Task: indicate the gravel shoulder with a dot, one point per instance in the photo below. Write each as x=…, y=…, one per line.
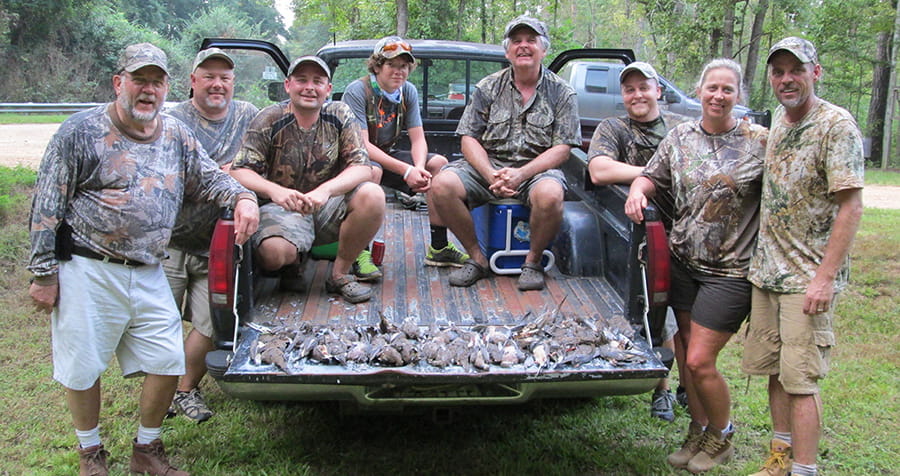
x=24, y=144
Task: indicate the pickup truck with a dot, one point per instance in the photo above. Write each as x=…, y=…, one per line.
x=608, y=272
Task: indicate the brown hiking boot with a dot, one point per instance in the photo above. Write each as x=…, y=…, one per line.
x=689, y=448
x=713, y=451
x=92, y=461
x=151, y=459
x=779, y=462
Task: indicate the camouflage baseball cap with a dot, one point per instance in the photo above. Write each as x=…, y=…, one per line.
x=139, y=55
x=309, y=59
x=211, y=53
x=392, y=47
x=802, y=49
x=641, y=67
x=523, y=20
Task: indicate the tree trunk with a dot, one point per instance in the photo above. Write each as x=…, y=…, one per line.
x=460, y=14
x=881, y=76
x=753, y=47
x=728, y=31
x=402, y=17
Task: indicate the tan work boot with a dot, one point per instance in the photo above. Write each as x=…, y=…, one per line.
x=92, y=461
x=713, y=451
x=689, y=448
x=779, y=462
x=151, y=459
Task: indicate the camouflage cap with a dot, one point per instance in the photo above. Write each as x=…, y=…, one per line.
x=309, y=59
x=523, y=20
x=139, y=55
x=392, y=47
x=641, y=67
x=802, y=49
x=211, y=53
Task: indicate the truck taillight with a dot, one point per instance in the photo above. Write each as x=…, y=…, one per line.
x=221, y=264
x=658, y=263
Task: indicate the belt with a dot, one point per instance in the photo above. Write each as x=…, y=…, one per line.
x=89, y=253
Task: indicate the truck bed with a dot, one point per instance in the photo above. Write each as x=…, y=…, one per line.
x=411, y=289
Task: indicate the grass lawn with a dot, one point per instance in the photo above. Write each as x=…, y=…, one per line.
x=9, y=118
x=608, y=436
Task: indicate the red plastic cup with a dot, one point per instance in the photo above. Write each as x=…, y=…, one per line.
x=377, y=252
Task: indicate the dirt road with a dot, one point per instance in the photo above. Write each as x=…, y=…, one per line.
x=24, y=144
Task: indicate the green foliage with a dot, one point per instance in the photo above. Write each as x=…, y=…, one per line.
x=13, y=183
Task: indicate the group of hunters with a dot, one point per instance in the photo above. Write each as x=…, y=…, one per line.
x=760, y=221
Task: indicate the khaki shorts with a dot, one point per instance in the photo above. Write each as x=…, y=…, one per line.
x=189, y=279
x=107, y=308
x=782, y=340
x=477, y=189
x=304, y=231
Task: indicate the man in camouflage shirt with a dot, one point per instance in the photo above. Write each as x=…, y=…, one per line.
x=620, y=148
x=307, y=158
x=810, y=211
x=519, y=128
x=109, y=188
x=219, y=123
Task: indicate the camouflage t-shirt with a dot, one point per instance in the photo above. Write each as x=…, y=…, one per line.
x=513, y=133
x=386, y=114
x=715, y=180
x=634, y=143
x=806, y=163
x=120, y=195
x=277, y=148
x=222, y=140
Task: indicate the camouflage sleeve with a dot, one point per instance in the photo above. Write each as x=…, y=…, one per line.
x=659, y=168
x=256, y=144
x=353, y=150
x=474, y=118
x=604, y=141
x=56, y=180
x=204, y=180
x=567, y=126
x=844, y=157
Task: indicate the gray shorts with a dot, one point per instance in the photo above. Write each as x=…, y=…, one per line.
x=477, y=188
x=304, y=231
x=188, y=277
x=107, y=308
x=719, y=303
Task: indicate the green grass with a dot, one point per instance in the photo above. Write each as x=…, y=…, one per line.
x=9, y=118
x=880, y=177
x=607, y=436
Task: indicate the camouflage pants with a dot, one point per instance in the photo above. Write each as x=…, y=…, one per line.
x=303, y=231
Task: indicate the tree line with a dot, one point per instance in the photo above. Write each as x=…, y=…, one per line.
x=63, y=50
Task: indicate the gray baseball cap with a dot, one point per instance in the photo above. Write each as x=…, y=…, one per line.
x=211, y=53
x=802, y=49
x=641, y=67
x=310, y=59
x=392, y=47
x=139, y=55
x=538, y=26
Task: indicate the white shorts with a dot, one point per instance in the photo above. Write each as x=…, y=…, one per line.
x=105, y=308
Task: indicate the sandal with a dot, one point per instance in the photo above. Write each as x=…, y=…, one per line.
x=348, y=288
x=468, y=275
x=532, y=277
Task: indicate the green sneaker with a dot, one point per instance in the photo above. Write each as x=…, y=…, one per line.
x=446, y=256
x=364, y=269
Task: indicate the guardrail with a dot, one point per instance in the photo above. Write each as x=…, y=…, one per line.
x=45, y=108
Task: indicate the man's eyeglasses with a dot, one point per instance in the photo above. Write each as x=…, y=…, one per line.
x=397, y=44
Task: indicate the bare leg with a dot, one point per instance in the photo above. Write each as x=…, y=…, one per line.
x=664, y=382
x=276, y=253
x=196, y=346
x=156, y=395
x=711, y=387
x=698, y=414
x=434, y=167
x=546, y=199
x=449, y=197
x=84, y=405
x=364, y=217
